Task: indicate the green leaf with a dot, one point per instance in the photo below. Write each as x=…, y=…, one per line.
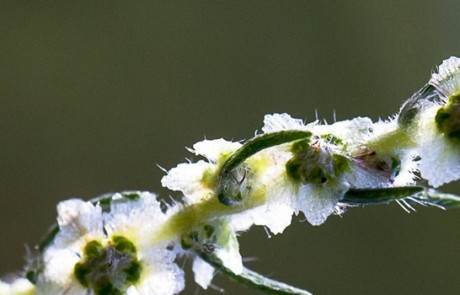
x=369, y=196
x=259, y=143
x=416, y=194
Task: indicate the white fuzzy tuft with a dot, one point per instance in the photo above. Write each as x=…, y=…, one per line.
x=447, y=79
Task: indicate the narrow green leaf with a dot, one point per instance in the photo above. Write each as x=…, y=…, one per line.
x=417, y=194
x=369, y=196
x=259, y=143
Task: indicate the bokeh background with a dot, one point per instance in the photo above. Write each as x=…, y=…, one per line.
x=95, y=94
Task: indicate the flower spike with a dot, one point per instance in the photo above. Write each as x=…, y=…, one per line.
x=129, y=242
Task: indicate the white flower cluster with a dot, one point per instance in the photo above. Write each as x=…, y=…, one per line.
x=130, y=245
x=111, y=252
x=311, y=175
x=435, y=127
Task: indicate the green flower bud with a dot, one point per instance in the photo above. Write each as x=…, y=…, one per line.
x=313, y=163
x=448, y=118
x=111, y=269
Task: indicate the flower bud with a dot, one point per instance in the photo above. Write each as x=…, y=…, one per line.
x=448, y=118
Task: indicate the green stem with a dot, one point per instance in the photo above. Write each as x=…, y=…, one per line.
x=194, y=215
x=392, y=141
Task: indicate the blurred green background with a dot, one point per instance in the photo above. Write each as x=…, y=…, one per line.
x=95, y=94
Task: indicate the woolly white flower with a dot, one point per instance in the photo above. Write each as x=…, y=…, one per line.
x=447, y=79
x=439, y=154
x=79, y=223
x=227, y=248
x=203, y=272
x=436, y=127
x=190, y=179
x=327, y=180
x=275, y=215
x=20, y=286
x=227, y=253
x=215, y=149
x=440, y=161
x=196, y=180
x=320, y=186
x=280, y=122
x=139, y=221
x=216, y=238
x=398, y=152
x=110, y=252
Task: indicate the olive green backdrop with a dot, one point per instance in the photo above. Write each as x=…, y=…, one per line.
x=95, y=94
